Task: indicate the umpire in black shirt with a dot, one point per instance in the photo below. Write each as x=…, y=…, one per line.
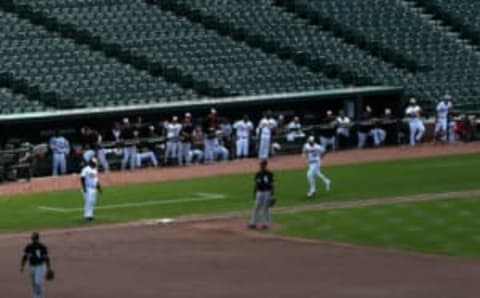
x=264, y=191
x=37, y=256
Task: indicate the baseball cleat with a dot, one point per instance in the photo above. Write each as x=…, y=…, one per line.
x=265, y=227
x=252, y=226
x=311, y=194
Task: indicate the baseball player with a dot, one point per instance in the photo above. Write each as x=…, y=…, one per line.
x=441, y=123
x=314, y=154
x=327, y=131
x=60, y=148
x=90, y=186
x=379, y=132
x=129, y=148
x=264, y=193
x=196, y=152
x=173, y=137
x=265, y=130
x=343, y=128
x=36, y=254
x=365, y=127
x=416, y=127
x=294, y=129
x=186, y=134
x=221, y=152
x=92, y=145
x=243, y=128
x=210, y=128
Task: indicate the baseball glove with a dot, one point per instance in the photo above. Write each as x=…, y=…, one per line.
x=271, y=202
x=50, y=275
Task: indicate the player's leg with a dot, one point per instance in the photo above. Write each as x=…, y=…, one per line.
x=333, y=143
x=37, y=274
x=256, y=210
x=153, y=158
x=413, y=132
x=126, y=157
x=63, y=164
x=238, y=148
x=102, y=159
x=187, y=155
x=139, y=158
x=133, y=157
x=54, y=165
x=266, y=210
x=311, y=180
x=322, y=177
x=421, y=131
x=246, y=147
x=362, y=138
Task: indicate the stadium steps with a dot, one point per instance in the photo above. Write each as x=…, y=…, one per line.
x=326, y=23
x=286, y=53
x=171, y=74
x=450, y=23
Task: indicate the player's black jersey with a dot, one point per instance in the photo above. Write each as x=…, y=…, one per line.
x=37, y=254
x=264, y=181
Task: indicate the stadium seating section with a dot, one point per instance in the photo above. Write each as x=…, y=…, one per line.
x=64, y=54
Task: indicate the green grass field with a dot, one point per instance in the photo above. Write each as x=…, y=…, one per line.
x=233, y=193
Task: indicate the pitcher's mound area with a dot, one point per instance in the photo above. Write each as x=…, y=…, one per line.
x=207, y=260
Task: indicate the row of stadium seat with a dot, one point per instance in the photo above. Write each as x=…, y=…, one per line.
x=17, y=103
x=167, y=39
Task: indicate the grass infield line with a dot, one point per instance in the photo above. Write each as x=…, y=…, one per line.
x=199, y=197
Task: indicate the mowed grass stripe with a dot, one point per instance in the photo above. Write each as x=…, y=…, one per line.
x=350, y=182
x=448, y=226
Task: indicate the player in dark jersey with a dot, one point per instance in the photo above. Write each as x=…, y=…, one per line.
x=36, y=254
x=264, y=192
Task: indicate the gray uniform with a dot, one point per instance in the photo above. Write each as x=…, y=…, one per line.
x=263, y=194
x=60, y=147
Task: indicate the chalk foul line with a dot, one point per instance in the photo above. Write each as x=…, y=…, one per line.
x=197, y=197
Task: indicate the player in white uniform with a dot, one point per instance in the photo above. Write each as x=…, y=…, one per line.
x=173, y=139
x=90, y=186
x=441, y=124
x=243, y=129
x=60, y=148
x=264, y=133
x=417, y=129
x=314, y=152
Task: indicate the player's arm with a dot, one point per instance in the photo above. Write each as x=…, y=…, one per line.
x=84, y=186
x=99, y=188
x=24, y=260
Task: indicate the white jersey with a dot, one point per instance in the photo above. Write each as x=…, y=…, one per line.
x=413, y=112
x=313, y=153
x=243, y=128
x=294, y=126
x=442, y=109
x=266, y=126
x=91, y=176
x=173, y=131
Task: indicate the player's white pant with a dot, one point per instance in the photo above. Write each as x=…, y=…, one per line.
x=328, y=141
x=362, y=138
x=184, y=153
x=314, y=172
x=451, y=131
x=90, y=199
x=441, y=125
x=210, y=149
x=343, y=131
x=264, y=148
x=101, y=157
x=242, y=147
x=196, y=155
x=261, y=203
x=146, y=156
x=129, y=158
x=171, y=150
x=221, y=153
x=417, y=129
x=59, y=164
x=379, y=136
x=37, y=276
x=88, y=155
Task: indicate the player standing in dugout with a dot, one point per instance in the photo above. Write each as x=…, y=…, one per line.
x=37, y=256
x=264, y=196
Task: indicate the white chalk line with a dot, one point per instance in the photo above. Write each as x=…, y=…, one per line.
x=198, y=197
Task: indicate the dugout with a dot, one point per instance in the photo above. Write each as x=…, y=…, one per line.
x=37, y=127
